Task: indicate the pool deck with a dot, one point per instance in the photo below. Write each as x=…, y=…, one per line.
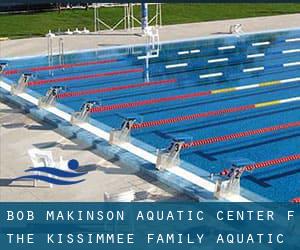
x=106, y=176
x=38, y=45
x=18, y=133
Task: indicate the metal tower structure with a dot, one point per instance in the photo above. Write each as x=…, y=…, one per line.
x=129, y=20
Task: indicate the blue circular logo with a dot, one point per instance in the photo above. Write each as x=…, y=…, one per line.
x=73, y=164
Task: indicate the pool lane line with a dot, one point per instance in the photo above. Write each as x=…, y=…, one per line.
x=212, y=57
x=272, y=162
x=116, y=88
x=161, y=122
x=80, y=77
x=54, y=67
x=265, y=164
x=189, y=55
x=296, y=200
x=187, y=84
x=251, y=42
x=238, y=135
x=188, y=96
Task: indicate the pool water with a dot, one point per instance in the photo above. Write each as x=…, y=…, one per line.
x=193, y=77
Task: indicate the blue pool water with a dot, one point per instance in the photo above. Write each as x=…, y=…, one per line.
x=237, y=61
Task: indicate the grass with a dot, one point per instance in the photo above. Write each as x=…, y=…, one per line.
x=38, y=24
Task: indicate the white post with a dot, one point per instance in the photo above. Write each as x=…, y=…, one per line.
x=144, y=15
x=95, y=17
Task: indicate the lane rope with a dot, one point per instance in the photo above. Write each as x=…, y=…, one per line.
x=65, y=66
x=80, y=77
x=111, y=89
x=296, y=200
x=160, y=122
x=240, y=135
x=272, y=162
x=188, y=96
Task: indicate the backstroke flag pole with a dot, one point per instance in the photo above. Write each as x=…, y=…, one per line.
x=144, y=10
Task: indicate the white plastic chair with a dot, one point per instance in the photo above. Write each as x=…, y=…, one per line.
x=41, y=158
x=127, y=196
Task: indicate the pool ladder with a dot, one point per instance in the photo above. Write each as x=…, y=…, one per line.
x=61, y=53
x=153, y=47
x=50, y=53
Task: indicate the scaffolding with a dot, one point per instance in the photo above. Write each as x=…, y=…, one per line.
x=129, y=20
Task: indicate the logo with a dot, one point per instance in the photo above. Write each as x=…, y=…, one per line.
x=55, y=175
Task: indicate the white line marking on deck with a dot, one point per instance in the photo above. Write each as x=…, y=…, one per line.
x=59, y=113
x=5, y=86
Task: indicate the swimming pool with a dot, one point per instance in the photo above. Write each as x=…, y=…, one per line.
x=233, y=98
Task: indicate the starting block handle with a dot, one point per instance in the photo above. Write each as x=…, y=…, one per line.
x=169, y=157
x=84, y=113
x=122, y=135
x=22, y=83
x=50, y=97
x=3, y=65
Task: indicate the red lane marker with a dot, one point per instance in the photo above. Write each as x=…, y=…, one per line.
x=71, y=78
x=148, y=102
x=296, y=200
x=110, y=89
x=191, y=117
x=272, y=162
x=265, y=164
x=65, y=66
x=240, y=134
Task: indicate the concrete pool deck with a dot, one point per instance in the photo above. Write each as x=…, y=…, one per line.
x=19, y=133
x=108, y=177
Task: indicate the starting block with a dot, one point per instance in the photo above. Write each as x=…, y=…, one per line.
x=230, y=185
x=84, y=113
x=22, y=84
x=50, y=97
x=122, y=135
x=3, y=65
x=170, y=157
